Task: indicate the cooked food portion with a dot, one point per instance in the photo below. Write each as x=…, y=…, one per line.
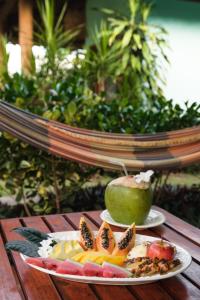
x=126, y=242
x=105, y=240
x=145, y=266
x=87, y=239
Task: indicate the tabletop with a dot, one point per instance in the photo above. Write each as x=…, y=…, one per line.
x=19, y=281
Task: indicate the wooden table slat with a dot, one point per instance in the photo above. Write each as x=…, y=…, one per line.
x=184, y=228
x=180, y=288
x=9, y=287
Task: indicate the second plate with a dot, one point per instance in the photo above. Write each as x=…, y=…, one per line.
x=155, y=218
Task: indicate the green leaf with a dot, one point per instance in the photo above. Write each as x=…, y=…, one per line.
x=117, y=30
x=23, y=247
x=135, y=63
x=133, y=5
x=137, y=40
x=24, y=164
x=125, y=59
x=31, y=234
x=127, y=37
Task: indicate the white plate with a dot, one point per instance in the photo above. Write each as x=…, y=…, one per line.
x=182, y=254
x=155, y=218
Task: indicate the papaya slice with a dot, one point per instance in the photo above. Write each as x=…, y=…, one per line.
x=126, y=242
x=105, y=240
x=87, y=240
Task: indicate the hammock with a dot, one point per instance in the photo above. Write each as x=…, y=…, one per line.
x=163, y=150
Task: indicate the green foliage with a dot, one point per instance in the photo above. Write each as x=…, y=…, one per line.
x=4, y=56
x=31, y=234
x=105, y=91
x=52, y=35
x=24, y=247
x=139, y=74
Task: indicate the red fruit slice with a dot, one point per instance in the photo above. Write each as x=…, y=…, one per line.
x=51, y=264
x=92, y=269
x=113, y=271
x=47, y=263
x=36, y=261
x=70, y=267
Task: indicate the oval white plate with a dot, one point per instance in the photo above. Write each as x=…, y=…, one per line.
x=155, y=218
x=182, y=254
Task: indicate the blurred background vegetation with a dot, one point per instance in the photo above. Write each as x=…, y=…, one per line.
x=114, y=83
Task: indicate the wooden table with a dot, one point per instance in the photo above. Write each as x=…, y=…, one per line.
x=19, y=281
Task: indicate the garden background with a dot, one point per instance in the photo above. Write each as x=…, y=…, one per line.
x=115, y=82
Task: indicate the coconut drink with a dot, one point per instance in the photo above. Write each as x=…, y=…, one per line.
x=128, y=199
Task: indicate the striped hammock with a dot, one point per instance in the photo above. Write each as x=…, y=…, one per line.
x=164, y=150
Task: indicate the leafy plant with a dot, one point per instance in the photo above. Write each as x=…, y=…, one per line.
x=142, y=45
x=51, y=34
x=4, y=56
x=101, y=59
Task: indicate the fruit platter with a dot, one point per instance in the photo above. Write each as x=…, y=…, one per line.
x=101, y=257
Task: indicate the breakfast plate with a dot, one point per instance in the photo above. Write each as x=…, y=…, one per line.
x=181, y=254
x=155, y=218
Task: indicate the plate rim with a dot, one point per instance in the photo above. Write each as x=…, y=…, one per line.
x=117, y=281
x=139, y=227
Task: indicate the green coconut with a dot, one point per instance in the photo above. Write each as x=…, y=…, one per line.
x=128, y=201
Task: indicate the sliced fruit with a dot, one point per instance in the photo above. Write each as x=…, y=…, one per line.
x=87, y=239
x=138, y=251
x=66, y=249
x=105, y=240
x=47, y=263
x=113, y=271
x=51, y=264
x=99, y=258
x=36, y=261
x=126, y=242
x=70, y=267
x=92, y=269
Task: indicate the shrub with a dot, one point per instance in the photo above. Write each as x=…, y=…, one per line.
x=79, y=98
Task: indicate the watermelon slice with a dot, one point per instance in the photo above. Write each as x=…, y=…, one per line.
x=36, y=261
x=92, y=269
x=47, y=263
x=113, y=271
x=70, y=267
x=51, y=264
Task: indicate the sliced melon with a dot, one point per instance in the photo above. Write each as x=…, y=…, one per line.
x=70, y=267
x=92, y=269
x=113, y=271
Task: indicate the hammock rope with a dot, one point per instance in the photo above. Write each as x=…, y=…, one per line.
x=163, y=150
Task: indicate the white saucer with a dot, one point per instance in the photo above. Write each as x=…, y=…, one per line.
x=155, y=218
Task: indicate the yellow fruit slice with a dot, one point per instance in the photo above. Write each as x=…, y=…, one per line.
x=98, y=257
x=66, y=249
